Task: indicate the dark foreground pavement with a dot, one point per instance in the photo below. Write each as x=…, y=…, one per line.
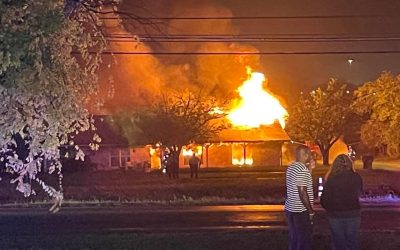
x=188, y=227
x=160, y=219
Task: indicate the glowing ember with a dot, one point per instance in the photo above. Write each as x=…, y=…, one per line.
x=257, y=106
x=241, y=162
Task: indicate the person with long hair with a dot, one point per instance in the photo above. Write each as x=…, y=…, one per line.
x=340, y=198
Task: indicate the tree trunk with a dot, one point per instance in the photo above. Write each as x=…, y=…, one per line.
x=325, y=154
x=176, y=151
x=325, y=158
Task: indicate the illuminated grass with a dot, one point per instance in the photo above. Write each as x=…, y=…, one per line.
x=214, y=186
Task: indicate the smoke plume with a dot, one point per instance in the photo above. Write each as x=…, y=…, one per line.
x=136, y=79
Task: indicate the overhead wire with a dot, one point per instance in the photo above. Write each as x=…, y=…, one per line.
x=127, y=15
x=249, y=53
x=250, y=38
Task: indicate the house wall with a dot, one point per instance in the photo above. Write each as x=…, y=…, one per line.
x=100, y=158
x=263, y=154
x=140, y=155
x=267, y=154
x=219, y=155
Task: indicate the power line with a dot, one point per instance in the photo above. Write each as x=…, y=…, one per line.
x=272, y=35
x=249, y=36
x=248, y=53
x=247, y=39
x=128, y=16
x=250, y=40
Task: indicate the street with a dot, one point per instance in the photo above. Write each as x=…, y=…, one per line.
x=154, y=219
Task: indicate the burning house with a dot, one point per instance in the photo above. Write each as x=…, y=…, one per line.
x=251, y=147
x=257, y=133
x=254, y=139
x=257, y=116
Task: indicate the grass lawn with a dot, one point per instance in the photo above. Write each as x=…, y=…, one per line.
x=216, y=240
x=214, y=186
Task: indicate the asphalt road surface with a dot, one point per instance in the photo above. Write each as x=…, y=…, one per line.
x=29, y=221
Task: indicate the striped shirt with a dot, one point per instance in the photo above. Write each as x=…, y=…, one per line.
x=297, y=174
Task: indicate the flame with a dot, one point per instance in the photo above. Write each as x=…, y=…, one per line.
x=189, y=150
x=257, y=106
x=155, y=154
x=241, y=161
x=242, y=155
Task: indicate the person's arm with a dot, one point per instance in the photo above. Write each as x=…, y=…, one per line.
x=305, y=199
x=306, y=202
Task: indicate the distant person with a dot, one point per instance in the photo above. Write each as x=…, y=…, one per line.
x=175, y=165
x=340, y=198
x=169, y=166
x=194, y=163
x=300, y=197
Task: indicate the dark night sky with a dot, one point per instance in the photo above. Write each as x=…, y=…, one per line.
x=306, y=70
x=293, y=73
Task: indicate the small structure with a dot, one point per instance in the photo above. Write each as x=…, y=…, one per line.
x=246, y=147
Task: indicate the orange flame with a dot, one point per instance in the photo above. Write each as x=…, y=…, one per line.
x=257, y=106
x=242, y=156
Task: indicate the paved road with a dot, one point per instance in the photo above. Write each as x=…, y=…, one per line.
x=173, y=219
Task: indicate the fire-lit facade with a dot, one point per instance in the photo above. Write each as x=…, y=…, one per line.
x=234, y=147
x=255, y=138
x=256, y=135
x=251, y=147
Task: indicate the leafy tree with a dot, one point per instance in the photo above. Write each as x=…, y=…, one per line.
x=379, y=101
x=174, y=120
x=47, y=75
x=322, y=116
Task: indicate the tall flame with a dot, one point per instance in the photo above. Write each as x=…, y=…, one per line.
x=257, y=106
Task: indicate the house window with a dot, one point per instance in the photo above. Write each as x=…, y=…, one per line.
x=120, y=157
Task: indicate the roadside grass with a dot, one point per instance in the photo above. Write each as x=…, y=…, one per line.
x=205, y=240
x=215, y=186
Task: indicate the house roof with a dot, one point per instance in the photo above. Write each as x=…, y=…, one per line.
x=264, y=133
x=109, y=134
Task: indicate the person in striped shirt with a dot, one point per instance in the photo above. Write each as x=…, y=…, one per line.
x=299, y=200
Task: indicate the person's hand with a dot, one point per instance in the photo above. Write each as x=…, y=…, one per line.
x=311, y=216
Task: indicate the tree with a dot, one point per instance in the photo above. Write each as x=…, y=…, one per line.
x=47, y=74
x=322, y=117
x=174, y=120
x=379, y=101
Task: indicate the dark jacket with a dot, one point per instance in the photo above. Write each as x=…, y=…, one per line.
x=341, y=193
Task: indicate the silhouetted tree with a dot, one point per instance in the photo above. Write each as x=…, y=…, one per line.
x=322, y=116
x=379, y=101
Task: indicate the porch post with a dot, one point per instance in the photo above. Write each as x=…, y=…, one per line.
x=244, y=154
